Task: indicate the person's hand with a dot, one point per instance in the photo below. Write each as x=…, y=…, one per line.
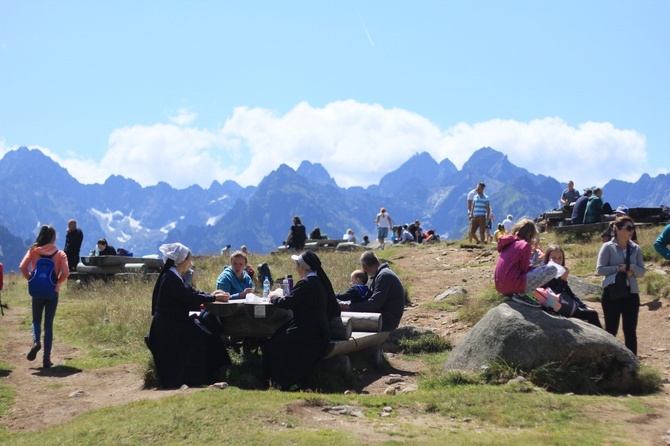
x=221, y=296
x=622, y=267
x=344, y=306
x=244, y=293
x=566, y=273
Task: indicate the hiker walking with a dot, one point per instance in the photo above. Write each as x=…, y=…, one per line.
x=45, y=267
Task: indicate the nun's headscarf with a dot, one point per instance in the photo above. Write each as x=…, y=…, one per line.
x=174, y=251
x=311, y=262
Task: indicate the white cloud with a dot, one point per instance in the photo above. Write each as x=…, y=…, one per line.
x=184, y=117
x=357, y=143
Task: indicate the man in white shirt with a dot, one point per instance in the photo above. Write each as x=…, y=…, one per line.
x=508, y=223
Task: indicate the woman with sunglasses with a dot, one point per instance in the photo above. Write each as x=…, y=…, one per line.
x=611, y=260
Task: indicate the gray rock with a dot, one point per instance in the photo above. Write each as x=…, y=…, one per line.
x=583, y=288
x=392, y=344
x=450, y=292
x=527, y=338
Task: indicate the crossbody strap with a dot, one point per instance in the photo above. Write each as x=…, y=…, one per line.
x=628, y=257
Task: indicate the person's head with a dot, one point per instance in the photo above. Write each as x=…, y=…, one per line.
x=177, y=255
x=102, y=244
x=571, y=185
x=238, y=262
x=623, y=228
x=46, y=235
x=405, y=227
x=509, y=217
x=369, y=262
x=350, y=231
x=244, y=249
x=555, y=253
x=588, y=192
x=598, y=191
x=382, y=210
x=480, y=188
x=525, y=229
x=359, y=277
x=501, y=227
x=72, y=225
x=366, y=238
x=621, y=211
x=296, y=220
x=306, y=263
x=417, y=223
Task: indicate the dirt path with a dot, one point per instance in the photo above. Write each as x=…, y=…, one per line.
x=46, y=398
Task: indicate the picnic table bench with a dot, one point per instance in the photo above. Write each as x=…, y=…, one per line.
x=318, y=244
x=350, y=332
x=106, y=267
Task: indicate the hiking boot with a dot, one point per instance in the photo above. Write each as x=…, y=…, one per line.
x=47, y=364
x=32, y=354
x=526, y=300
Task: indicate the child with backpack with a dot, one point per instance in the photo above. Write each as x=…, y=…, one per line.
x=45, y=267
x=514, y=275
x=567, y=303
x=358, y=291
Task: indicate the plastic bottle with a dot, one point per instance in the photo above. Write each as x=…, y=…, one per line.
x=285, y=287
x=290, y=283
x=266, y=288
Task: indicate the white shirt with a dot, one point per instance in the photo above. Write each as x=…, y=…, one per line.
x=383, y=220
x=508, y=224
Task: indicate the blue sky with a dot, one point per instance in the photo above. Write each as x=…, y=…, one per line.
x=191, y=92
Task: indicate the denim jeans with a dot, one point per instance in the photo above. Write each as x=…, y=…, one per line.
x=48, y=307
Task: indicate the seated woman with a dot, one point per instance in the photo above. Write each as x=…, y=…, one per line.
x=430, y=237
x=234, y=279
x=570, y=304
x=290, y=355
x=186, y=350
x=104, y=249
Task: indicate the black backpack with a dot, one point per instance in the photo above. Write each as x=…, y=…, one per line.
x=263, y=272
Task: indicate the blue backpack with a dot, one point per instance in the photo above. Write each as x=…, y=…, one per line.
x=43, y=279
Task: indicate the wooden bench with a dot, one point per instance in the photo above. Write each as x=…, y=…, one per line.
x=366, y=335
x=317, y=244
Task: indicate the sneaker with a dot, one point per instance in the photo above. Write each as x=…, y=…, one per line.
x=526, y=300
x=47, y=364
x=32, y=354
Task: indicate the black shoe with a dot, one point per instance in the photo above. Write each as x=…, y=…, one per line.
x=32, y=354
x=47, y=364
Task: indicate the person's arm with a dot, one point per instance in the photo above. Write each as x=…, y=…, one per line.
x=288, y=237
x=377, y=300
x=603, y=267
x=24, y=266
x=637, y=262
x=301, y=292
x=351, y=293
x=662, y=242
x=64, y=268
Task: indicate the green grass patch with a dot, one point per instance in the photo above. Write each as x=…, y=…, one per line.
x=476, y=307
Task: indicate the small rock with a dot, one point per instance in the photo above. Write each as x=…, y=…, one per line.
x=385, y=414
x=184, y=387
x=349, y=392
x=77, y=394
x=467, y=420
x=222, y=385
x=390, y=390
x=409, y=388
x=387, y=409
x=394, y=380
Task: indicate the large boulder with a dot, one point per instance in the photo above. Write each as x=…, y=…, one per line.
x=528, y=338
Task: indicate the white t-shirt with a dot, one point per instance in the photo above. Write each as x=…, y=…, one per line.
x=508, y=224
x=384, y=220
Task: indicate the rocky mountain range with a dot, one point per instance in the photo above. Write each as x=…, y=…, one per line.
x=34, y=190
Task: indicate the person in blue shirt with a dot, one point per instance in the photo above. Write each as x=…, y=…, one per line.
x=358, y=291
x=662, y=242
x=234, y=279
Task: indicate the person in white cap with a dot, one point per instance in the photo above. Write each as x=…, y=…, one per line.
x=186, y=350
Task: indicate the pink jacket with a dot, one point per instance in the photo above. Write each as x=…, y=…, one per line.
x=513, y=264
x=34, y=254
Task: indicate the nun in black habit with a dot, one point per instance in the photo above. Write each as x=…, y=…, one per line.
x=186, y=350
x=290, y=355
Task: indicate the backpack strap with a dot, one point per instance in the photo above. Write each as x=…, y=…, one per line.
x=628, y=257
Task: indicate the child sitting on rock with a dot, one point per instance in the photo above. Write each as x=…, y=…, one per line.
x=514, y=275
x=567, y=303
x=359, y=291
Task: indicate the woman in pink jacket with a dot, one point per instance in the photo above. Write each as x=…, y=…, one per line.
x=514, y=275
x=44, y=247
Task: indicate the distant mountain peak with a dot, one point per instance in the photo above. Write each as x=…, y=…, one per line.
x=315, y=172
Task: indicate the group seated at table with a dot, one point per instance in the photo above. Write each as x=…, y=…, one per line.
x=234, y=279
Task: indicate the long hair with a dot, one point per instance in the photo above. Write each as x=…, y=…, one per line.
x=525, y=229
x=551, y=248
x=46, y=235
x=622, y=222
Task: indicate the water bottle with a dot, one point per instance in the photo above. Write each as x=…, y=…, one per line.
x=266, y=288
x=284, y=287
x=290, y=283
